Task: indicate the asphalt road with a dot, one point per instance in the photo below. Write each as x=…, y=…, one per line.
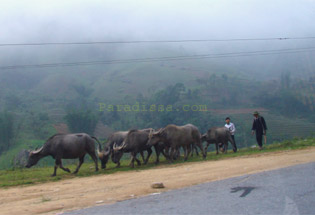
x=285, y=191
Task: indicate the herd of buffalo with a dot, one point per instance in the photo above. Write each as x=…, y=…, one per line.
x=167, y=140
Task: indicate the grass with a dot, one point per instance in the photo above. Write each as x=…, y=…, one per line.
x=9, y=178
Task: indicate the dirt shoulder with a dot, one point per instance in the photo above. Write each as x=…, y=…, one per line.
x=55, y=197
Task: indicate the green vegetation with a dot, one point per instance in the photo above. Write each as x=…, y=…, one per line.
x=32, y=106
x=81, y=121
x=6, y=130
x=42, y=174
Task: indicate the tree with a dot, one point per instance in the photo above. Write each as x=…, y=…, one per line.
x=39, y=124
x=6, y=130
x=81, y=121
x=170, y=95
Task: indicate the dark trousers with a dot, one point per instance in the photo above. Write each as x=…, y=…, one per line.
x=234, y=141
x=259, y=137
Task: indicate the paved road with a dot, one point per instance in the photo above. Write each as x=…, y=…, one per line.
x=285, y=191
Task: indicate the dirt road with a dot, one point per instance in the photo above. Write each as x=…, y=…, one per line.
x=55, y=197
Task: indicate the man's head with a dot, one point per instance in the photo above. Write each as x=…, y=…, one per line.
x=227, y=120
x=256, y=114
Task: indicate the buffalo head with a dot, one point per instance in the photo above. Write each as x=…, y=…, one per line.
x=33, y=158
x=155, y=137
x=203, y=137
x=118, y=152
x=103, y=156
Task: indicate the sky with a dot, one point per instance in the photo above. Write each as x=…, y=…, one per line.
x=34, y=21
x=76, y=20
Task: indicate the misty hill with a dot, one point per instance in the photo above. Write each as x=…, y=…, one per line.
x=59, y=61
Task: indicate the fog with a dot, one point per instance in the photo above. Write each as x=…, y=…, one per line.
x=59, y=21
x=48, y=89
x=85, y=21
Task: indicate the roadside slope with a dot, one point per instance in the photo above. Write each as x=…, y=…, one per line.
x=77, y=193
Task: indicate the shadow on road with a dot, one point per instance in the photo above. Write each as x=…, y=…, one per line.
x=246, y=190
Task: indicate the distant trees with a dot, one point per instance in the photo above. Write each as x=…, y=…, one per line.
x=81, y=121
x=38, y=123
x=6, y=130
x=282, y=102
x=170, y=95
x=289, y=98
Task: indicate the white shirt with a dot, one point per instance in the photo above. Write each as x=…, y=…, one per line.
x=231, y=128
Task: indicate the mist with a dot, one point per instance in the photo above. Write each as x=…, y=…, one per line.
x=82, y=21
x=231, y=56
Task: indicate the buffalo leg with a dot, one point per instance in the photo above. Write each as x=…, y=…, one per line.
x=81, y=160
x=185, y=153
x=167, y=153
x=206, y=148
x=199, y=144
x=59, y=163
x=196, y=149
x=173, y=150
x=176, y=153
x=189, y=149
x=192, y=150
x=217, y=148
x=132, y=160
x=225, y=147
x=163, y=153
x=157, y=152
x=222, y=147
x=93, y=156
x=64, y=168
x=55, y=168
x=138, y=161
x=149, y=154
x=142, y=155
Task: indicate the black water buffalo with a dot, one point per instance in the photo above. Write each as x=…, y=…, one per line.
x=174, y=137
x=66, y=146
x=118, y=138
x=218, y=135
x=159, y=148
x=135, y=142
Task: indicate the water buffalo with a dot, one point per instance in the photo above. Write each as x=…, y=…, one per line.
x=218, y=135
x=174, y=137
x=135, y=142
x=65, y=146
x=117, y=137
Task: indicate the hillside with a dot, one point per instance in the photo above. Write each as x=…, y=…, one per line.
x=39, y=99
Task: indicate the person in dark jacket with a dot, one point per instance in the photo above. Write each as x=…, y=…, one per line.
x=259, y=127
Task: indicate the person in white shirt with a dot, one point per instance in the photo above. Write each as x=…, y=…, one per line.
x=229, y=125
